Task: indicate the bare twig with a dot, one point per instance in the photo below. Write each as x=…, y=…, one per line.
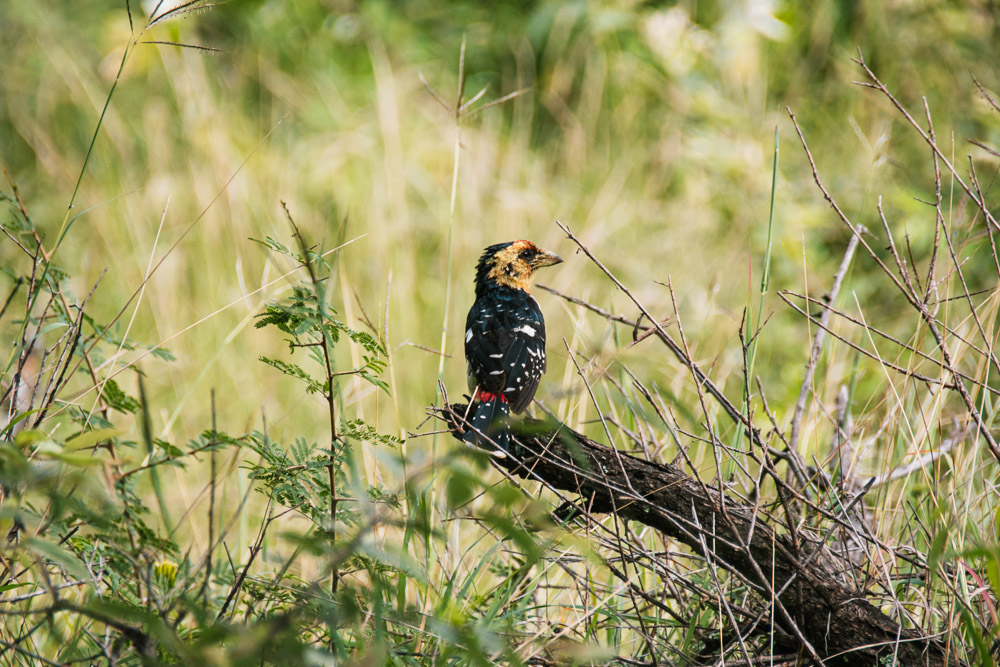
x=916, y=303
x=879, y=86
x=817, y=346
x=701, y=378
x=830, y=615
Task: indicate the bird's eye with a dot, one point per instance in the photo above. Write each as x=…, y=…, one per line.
x=525, y=254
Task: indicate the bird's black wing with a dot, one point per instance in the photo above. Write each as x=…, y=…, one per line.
x=524, y=355
x=484, y=347
x=505, y=348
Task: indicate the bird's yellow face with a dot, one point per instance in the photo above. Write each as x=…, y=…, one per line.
x=514, y=265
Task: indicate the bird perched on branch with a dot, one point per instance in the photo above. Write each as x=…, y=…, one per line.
x=504, y=339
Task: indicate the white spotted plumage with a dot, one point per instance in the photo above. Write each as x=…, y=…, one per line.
x=505, y=334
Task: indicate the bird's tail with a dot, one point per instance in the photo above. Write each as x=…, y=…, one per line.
x=488, y=424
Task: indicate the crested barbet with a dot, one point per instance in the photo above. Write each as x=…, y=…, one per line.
x=504, y=340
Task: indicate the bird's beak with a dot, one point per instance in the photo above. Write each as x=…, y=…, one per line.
x=545, y=258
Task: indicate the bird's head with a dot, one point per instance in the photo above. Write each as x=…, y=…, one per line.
x=512, y=264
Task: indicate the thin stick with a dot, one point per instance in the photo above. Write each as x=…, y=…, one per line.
x=817, y=346
x=892, y=339
x=917, y=304
x=700, y=377
x=254, y=550
x=710, y=561
x=857, y=348
x=457, y=150
x=879, y=86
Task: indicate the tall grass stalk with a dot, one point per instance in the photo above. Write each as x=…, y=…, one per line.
x=752, y=329
x=456, y=160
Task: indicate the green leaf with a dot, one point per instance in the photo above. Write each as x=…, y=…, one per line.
x=118, y=399
x=29, y=437
x=19, y=417
x=79, y=460
x=937, y=549
x=277, y=246
x=91, y=438
x=58, y=555
x=52, y=327
x=294, y=371
x=458, y=491
x=381, y=384
x=358, y=429
x=168, y=449
x=163, y=354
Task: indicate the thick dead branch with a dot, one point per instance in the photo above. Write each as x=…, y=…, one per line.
x=805, y=589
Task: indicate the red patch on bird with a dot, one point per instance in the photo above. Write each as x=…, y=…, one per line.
x=487, y=397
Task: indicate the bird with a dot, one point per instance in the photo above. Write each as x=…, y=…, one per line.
x=504, y=340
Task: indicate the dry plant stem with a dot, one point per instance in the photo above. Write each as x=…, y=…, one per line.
x=716, y=393
x=990, y=236
x=700, y=377
x=841, y=451
x=35, y=594
x=986, y=95
x=917, y=304
x=254, y=550
x=986, y=148
x=922, y=461
x=961, y=275
x=817, y=346
x=13, y=292
x=716, y=445
x=879, y=86
x=904, y=273
x=826, y=609
x=784, y=295
x=892, y=339
x=593, y=398
x=965, y=289
x=938, y=212
x=718, y=587
x=792, y=516
x=784, y=490
x=49, y=396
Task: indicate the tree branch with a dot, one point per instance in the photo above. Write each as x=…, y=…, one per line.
x=814, y=598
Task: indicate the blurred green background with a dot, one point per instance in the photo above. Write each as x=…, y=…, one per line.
x=647, y=128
